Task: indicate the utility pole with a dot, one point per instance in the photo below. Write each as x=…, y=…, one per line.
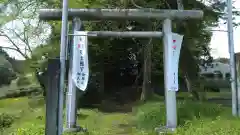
x=64, y=34
x=232, y=60
x=71, y=102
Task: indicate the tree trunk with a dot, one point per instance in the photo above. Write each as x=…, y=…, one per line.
x=101, y=85
x=101, y=80
x=190, y=87
x=187, y=81
x=146, y=85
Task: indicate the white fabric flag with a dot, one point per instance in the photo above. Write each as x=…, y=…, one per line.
x=80, y=71
x=173, y=60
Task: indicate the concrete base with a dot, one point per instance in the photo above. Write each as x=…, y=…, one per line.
x=76, y=129
x=165, y=130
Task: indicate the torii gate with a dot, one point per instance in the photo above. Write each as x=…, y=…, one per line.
x=170, y=59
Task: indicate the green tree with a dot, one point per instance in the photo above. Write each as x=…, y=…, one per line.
x=7, y=73
x=27, y=32
x=108, y=56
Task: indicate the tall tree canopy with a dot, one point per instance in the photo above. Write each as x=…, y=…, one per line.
x=117, y=62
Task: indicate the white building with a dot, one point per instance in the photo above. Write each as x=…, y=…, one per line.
x=216, y=75
x=216, y=70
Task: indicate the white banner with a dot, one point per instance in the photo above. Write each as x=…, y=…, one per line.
x=80, y=71
x=173, y=55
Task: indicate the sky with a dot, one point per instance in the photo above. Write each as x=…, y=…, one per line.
x=42, y=29
x=219, y=41
x=34, y=40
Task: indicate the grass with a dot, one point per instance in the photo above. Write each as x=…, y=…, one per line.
x=193, y=118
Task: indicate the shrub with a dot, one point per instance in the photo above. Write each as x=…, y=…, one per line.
x=33, y=129
x=219, y=126
x=23, y=81
x=152, y=115
x=6, y=120
x=6, y=76
x=193, y=118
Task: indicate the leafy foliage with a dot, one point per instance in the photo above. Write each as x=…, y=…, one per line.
x=111, y=66
x=195, y=118
x=6, y=75
x=212, y=118
x=6, y=71
x=109, y=56
x=23, y=81
x=6, y=120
